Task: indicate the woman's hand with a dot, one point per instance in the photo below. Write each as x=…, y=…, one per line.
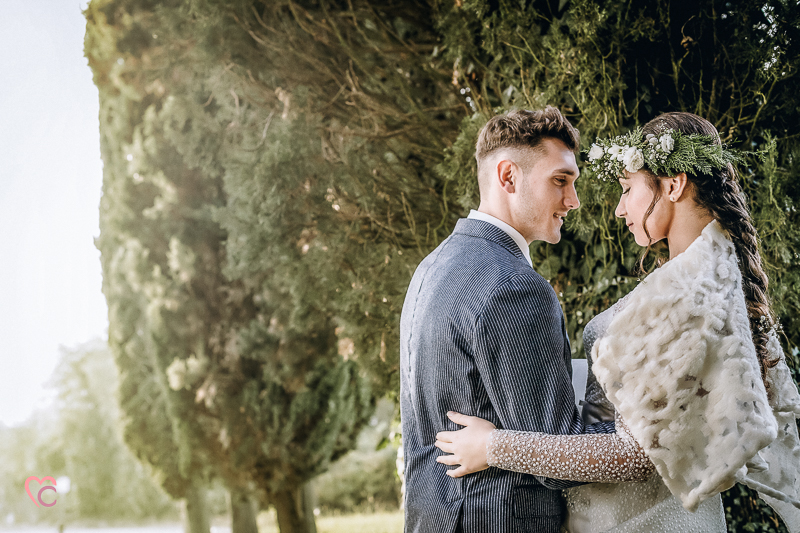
x=467, y=446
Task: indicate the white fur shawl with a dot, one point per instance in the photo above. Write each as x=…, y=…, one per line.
x=679, y=364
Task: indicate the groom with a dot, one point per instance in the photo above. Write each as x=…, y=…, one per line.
x=483, y=334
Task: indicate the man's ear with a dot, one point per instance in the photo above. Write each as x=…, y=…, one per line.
x=506, y=173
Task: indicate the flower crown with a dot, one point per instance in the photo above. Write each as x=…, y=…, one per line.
x=667, y=154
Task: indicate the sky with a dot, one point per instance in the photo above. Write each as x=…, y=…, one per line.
x=50, y=187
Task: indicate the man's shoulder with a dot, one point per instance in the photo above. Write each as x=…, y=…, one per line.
x=525, y=285
x=485, y=279
x=476, y=248
x=466, y=255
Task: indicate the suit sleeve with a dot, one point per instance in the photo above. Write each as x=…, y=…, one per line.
x=521, y=353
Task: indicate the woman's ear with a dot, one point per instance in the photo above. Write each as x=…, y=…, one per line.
x=675, y=187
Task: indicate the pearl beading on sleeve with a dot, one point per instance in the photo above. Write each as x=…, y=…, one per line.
x=596, y=458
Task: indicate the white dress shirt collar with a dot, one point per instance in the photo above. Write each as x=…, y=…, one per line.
x=514, y=234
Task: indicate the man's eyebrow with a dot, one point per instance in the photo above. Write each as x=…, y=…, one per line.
x=567, y=171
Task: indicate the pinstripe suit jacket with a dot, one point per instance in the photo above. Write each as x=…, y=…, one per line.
x=483, y=334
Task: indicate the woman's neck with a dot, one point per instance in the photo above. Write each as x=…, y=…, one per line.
x=684, y=230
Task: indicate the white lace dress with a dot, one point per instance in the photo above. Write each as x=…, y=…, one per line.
x=625, y=494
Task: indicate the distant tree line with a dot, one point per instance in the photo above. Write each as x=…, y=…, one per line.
x=78, y=438
x=275, y=170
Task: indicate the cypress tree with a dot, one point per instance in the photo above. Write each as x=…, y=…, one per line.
x=148, y=217
x=247, y=368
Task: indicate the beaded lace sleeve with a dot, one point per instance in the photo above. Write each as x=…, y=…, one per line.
x=596, y=458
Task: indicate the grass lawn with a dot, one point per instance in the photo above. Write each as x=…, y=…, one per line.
x=362, y=523
x=353, y=523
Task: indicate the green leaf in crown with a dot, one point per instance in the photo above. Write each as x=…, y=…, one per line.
x=667, y=154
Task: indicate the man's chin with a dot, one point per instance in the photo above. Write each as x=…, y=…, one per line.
x=553, y=239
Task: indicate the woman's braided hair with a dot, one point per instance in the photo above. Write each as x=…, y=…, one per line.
x=720, y=195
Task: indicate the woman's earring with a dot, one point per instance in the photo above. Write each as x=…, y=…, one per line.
x=671, y=198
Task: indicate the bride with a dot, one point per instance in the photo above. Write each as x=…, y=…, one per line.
x=689, y=363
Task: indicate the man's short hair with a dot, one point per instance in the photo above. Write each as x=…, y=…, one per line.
x=524, y=129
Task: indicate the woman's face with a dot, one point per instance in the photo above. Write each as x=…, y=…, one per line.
x=633, y=204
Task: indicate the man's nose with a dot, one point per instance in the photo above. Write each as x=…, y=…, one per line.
x=572, y=201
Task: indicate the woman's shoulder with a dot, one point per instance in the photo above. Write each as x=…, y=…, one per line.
x=598, y=325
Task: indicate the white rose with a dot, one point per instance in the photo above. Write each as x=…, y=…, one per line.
x=667, y=142
x=633, y=159
x=596, y=152
x=614, y=150
x=651, y=139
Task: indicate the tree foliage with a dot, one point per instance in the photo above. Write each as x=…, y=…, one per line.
x=342, y=100
x=228, y=373
x=150, y=216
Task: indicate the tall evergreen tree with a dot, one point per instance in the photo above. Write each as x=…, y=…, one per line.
x=150, y=203
x=246, y=370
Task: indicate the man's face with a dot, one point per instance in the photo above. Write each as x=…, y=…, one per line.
x=546, y=192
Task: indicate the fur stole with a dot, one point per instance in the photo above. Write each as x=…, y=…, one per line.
x=679, y=364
